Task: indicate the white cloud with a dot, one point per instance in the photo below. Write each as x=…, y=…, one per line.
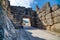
x=24, y=3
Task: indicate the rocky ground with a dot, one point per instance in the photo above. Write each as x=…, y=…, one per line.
x=34, y=34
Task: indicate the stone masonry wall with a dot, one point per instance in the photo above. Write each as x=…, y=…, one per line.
x=50, y=17
x=56, y=21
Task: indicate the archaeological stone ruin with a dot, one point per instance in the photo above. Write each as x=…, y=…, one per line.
x=50, y=17
x=11, y=17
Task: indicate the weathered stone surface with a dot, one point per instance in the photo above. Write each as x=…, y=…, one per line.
x=49, y=28
x=44, y=22
x=40, y=15
x=56, y=27
x=43, y=18
x=55, y=7
x=56, y=13
x=48, y=16
x=57, y=19
x=48, y=10
x=49, y=21
x=43, y=13
x=46, y=7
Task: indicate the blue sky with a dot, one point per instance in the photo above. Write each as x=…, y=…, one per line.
x=40, y=3
x=32, y=3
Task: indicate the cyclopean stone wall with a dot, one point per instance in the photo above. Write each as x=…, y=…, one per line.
x=56, y=21
x=50, y=17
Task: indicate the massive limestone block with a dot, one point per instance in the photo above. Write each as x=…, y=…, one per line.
x=48, y=28
x=48, y=16
x=44, y=22
x=40, y=15
x=56, y=27
x=43, y=13
x=47, y=7
x=48, y=10
x=50, y=22
x=43, y=18
x=57, y=19
x=55, y=7
x=49, y=19
x=56, y=13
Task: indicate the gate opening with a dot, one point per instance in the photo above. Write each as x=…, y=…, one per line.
x=26, y=22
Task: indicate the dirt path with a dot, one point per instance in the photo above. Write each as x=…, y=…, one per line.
x=37, y=34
